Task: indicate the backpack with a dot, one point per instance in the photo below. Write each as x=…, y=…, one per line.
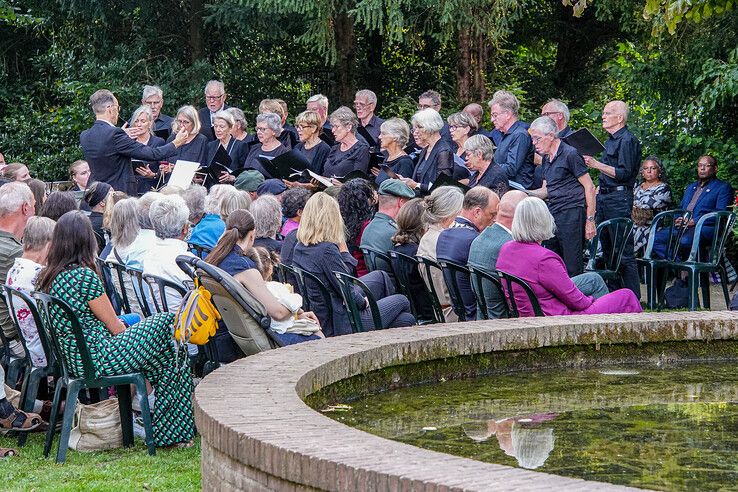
x=197, y=317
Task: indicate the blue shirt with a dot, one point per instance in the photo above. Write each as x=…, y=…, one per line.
x=235, y=262
x=514, y=154
x=454, y=244
x=208, y=230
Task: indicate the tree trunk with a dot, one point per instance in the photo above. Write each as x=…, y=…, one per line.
x=463, y=67
x=480, y=72
x=197, y=45
x=345, y=56
x=373, y=72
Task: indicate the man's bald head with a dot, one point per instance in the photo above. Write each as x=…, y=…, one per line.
x=615, y=116
x=475, y=111
x=508, y=203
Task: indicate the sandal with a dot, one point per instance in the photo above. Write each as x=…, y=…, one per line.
x=181, y=445
x=20, y=421
x=7, y=452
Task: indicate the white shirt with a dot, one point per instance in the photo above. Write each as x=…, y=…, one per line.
x=133, y=256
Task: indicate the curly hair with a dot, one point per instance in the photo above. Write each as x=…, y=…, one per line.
x=356, y=200
x=410, y=225
x=294, y=200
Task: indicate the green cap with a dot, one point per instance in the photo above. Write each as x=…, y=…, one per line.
x=249, y=180
x=397, y=188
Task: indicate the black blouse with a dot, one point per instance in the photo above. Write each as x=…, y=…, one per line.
x=252, y=161
x=439, y=161
x=339, y=163
x=316, y=155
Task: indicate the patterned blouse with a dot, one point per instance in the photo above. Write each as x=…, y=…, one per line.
x=646, y=204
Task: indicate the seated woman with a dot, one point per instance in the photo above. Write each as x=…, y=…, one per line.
x=545, y=271
x=58, y=203
x=96, y=198
x=211, y=225
x=267, y=212
x=393, y=137
x=650, y=197
x=268, y=130
x=79, y=175
x=321, y=249
x=348, y=154
x=229, y=256
x=410, y=228
x=144, y=347
x=223, y=124
x=356, y=200
x=16, y=172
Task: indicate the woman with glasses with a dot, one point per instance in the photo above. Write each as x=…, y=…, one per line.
x=349, y=154
x=223, y=124
x=268, y=129
x=310, y=145
x=147, y=173
x=194, y=147
x=651, y=196
x=393, y=137
x=462, y=126
x=436, y=158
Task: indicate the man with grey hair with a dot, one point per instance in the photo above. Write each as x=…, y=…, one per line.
x=168, y=217
x=17, y=205
x=109, y=150
x=570, y=193
x=477, y=213
x=215, y=97
x=153, y=97
x=365, y=103
x=618, y=169
x=558, y=111
x=514, y=152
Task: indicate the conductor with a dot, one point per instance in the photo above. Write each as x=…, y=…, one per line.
x=109, y=149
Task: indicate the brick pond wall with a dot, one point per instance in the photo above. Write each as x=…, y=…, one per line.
x=259, y=435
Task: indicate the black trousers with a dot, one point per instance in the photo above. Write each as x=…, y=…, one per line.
x=611, y=206
x=568, y=242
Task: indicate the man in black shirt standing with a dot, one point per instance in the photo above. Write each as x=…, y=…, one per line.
x=618, y=171
x=569, y=190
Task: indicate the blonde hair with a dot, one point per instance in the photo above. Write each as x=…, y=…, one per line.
x=113, y=197
x=321, y=221
x=271, y=106
x=190, y=113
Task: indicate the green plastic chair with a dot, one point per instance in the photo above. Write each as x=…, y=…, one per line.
x=74, y=383
x=428, y=266
x=655, y=273
x=451, y=270
x=403, y=266
x=481, y=280
x=618, y=230
x=158, y=287
x=199, y=250
x=303, y=276
x=703, y=260
x=141, y=291
x=510, y=281
x=32, y=375
x=346, y=282
x=12, y=364
x=373, y=256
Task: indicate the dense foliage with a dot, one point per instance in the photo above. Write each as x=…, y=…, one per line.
x=675, y=62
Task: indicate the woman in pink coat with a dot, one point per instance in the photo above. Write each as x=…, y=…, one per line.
x=545, y=271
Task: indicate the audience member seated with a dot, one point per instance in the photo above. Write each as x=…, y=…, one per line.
x=441, y=208
x=707, y=194
x=79, y=175
x=16, y=172
x=249, y=181
x=16, y=207
x=316, y=151
x=38, y=188
x=194, y=198
x=268, y=129
x=233, y=200
x=12, y=418
x=209, y=229
x=393, y=137
x=651, y=197
x=133, y=256
x=436, y=158
x=96, y=198
x=293, y=202
x=410, y=228
x=356, y=200
x=230, y=256
x=348, y=154
x=23, y=274
x=480, y=153
x=321, y=249
x=57, y=204
x=116, y=348
x=267, y=212
x=478, y=212
x=393, y=194
x=545, y=271
x=274, y=187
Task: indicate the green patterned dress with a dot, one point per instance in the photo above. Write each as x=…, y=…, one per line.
x=146, y=347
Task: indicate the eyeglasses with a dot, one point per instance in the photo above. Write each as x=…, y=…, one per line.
x=456, y=127
x=214, y=98
x=262, y=129
x=360, y=105
x=305, y=127
x=537, y=138
x=495, y=115
x=184, y=122
x=549, y=113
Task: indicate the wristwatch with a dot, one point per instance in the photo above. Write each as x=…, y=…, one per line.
x=590, y=218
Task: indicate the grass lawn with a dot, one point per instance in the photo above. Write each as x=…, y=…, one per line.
x=120, y=469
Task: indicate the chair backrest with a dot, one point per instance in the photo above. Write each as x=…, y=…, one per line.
x=675, y=222
x=371, y=256
x=722, y=224
x=107, y=279
x=159, y=288
x=346, y=282
x=303, y=277
x=428, y=266
x=286, y=275
x=48, y=305
x=17, y=298
x=124, y=278
x=510, y=281
x=451, y=270
x=403, y=266
x=245, y=317
x=142, y=292
x=618, y=230
x=199, y=250
x=479, y=278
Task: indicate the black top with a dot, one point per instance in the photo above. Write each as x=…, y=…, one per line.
x=288, y=139
x=493, y=178
x=623, y=152
x=96, y=219
x=252, y=160
x=206, y=126
x=193, y=151
x=236, y=149
x=416, y=289
x=439, y=161
x=402, y=165
x=372, y=127
x=269, y=243
x=339, y=163
x=316, y=155
x=146, y=184
x=562, y=179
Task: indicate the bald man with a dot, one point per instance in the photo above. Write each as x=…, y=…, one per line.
x=618, y=171
x=486, y=247
x=477, y=112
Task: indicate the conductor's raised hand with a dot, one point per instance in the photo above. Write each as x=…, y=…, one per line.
x=181, y=138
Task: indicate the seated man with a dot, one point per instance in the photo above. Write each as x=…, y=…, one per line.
x=478, y=212
x=707, y=194
x=377, y=235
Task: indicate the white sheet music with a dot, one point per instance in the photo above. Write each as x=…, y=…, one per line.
x=183, y=173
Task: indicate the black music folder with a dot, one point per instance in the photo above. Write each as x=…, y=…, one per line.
x=584, y=142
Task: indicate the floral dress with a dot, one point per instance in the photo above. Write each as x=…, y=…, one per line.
x=646, y=204
x=22, y=276
x=146, y=347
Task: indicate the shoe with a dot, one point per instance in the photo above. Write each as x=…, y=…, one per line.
x=138, y=428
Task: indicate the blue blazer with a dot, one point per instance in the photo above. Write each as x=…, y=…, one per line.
x=717, y=196
x=108, y=150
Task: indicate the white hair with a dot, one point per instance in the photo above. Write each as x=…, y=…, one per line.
x=532, y=222
x=320, y=99
x=267, y=212
x=545, y=125
x=169, y=216
x=226, y=116
x=507, y=101
x=12, y=197
x=273, y=121
x=370, y=96
x=194, y=197
x=398, y=129
x=142, y=208
x=429, y=120
x=124, y=223
x=217, y=84
x=215, y=198
x=560, y=106
x=481, y=144
x=151, y=90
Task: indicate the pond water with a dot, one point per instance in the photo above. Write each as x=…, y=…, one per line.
x=672, y=428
